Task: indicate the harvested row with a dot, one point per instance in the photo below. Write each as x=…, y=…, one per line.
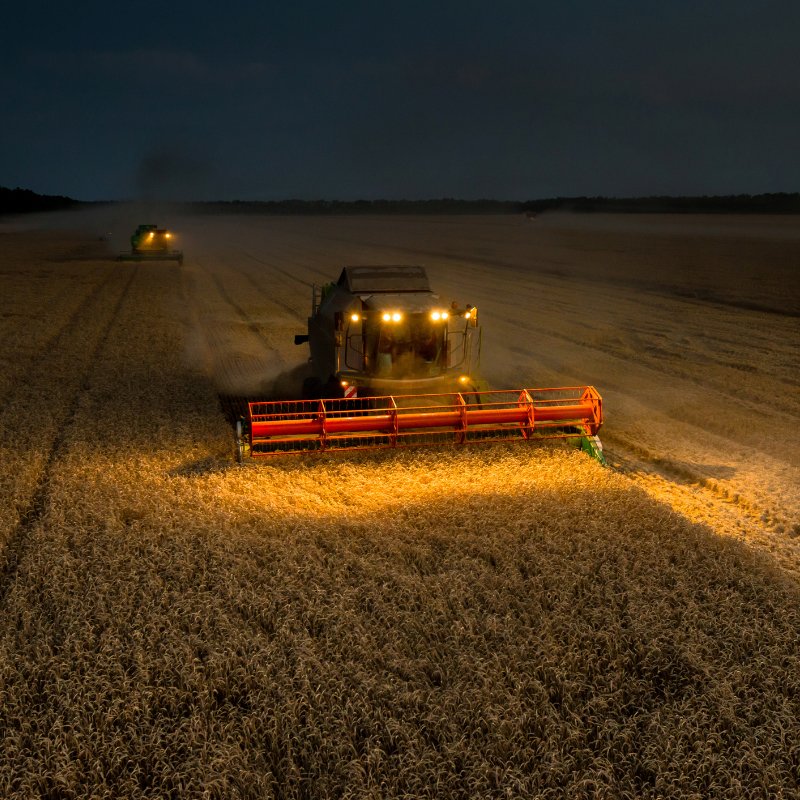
x=30, y=322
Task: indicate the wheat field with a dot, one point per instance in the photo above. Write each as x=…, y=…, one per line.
x=499, y=621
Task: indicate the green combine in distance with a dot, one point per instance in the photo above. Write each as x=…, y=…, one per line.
x=151, y=243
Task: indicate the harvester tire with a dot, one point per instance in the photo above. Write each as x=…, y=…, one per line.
x=312, y=388
x=239, y=441
x=333, y=388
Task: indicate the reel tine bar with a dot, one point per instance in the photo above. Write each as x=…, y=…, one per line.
x=303, y=426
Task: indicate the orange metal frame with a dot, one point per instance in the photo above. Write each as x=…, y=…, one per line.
x=303, y=426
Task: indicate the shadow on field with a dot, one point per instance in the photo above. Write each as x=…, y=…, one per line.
x=205, y=466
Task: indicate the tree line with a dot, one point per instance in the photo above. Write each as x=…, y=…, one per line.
x=779, y=203
x=24, y=201
x=21, y=201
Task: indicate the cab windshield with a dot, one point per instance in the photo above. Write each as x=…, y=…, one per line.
x=414, y=347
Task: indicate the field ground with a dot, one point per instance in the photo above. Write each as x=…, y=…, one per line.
x=500, y=622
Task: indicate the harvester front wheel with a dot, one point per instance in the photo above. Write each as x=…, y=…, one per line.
x=333, y=388
x=240, y=442
x=312, y=388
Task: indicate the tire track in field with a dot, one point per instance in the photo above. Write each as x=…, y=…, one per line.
x=273, y=267
x=291, y=310
x=243, y=315
x=238, y=368
x=240, y=377
x=53, y=341
x=18, y=543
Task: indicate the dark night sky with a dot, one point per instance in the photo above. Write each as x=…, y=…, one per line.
x=506, y=100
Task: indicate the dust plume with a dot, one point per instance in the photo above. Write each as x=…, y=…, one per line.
x=172, y=174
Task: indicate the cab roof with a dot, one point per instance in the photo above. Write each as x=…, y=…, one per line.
x=385, y=278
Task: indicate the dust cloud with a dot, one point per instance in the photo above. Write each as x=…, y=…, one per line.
x=172, y=174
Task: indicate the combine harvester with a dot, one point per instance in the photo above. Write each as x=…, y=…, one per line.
x=393, y=366
x=151, y=243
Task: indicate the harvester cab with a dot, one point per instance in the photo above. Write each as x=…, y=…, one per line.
x=151, y=243
x=394, y=366
x=382, y=331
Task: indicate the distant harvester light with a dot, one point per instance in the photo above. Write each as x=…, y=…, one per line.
x=397, y=316
x=355, y=317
